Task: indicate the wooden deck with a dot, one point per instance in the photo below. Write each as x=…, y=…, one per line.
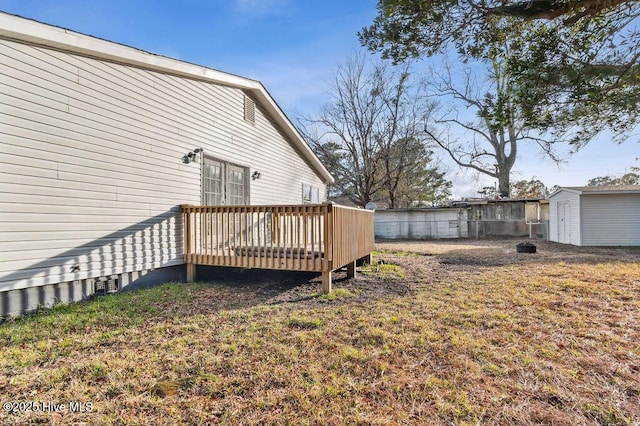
x=317, y=238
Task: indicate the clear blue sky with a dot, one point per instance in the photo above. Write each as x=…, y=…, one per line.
x=293, y=47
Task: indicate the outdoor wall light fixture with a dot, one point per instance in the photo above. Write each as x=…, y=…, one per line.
x=191, y=156
x=255, y=175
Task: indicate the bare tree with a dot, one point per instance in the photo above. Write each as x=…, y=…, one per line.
x=488, y=142
x=359, y=135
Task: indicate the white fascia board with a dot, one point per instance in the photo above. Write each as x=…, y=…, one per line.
x=556, y=192
x=22, y=29
x=267, y=101
x=612, y=192
x=27, y=30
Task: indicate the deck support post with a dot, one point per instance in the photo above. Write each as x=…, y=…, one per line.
x=351, y=269
x=367, y=259
x=326, y=282
x=191, y=272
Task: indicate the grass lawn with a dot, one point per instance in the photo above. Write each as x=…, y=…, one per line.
x=440, y=334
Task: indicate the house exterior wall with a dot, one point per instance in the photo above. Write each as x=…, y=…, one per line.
x=421, y=223
x=91, y=176
x=611, y=220
x=572, y=199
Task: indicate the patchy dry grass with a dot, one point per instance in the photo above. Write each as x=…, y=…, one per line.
x=479, y=337
x=379, y=268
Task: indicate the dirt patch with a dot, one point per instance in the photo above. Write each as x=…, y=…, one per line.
x=255, y=286
x=503, y=252
x=442, y=258
x=506, y=247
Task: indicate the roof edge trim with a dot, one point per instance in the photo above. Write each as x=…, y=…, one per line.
x=30, y=31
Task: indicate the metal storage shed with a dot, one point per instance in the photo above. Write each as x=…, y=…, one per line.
x=595, y=215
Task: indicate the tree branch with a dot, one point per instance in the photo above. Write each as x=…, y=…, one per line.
x=552, y=9
x=457, y=160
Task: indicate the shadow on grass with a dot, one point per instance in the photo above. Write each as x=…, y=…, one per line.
x=247, y=287
x=218, y=290
x=221, y=289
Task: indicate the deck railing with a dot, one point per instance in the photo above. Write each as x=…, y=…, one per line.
x=318, y=237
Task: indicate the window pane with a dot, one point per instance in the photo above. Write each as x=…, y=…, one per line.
x=306, y=193
x=213, y=183
x=235, y=187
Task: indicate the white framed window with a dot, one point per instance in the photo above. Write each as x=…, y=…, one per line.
x=310, y=194
x=213, y=183
x=224, y=183
x=237, y=183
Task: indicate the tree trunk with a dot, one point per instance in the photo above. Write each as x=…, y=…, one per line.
x=503, y=182
x=392, y=202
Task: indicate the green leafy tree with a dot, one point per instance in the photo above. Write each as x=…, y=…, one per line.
x=409, y=176
x=529, y=189
x=576, y=62
x=333, y=157
x=626, y=179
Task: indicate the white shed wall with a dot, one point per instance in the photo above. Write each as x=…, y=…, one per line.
x=611, y=220
x=574, y=228
x=420, y=224
x=90, y=163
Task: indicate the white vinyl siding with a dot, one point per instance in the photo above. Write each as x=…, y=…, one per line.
x=90, y=163
x=611, y=220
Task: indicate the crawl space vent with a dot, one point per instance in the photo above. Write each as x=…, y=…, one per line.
x=105, y=285
x=249, y=110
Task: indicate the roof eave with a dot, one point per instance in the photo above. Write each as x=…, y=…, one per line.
x=594, y=191
x=283, y=121
x=610, y=192
x=557, y=191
